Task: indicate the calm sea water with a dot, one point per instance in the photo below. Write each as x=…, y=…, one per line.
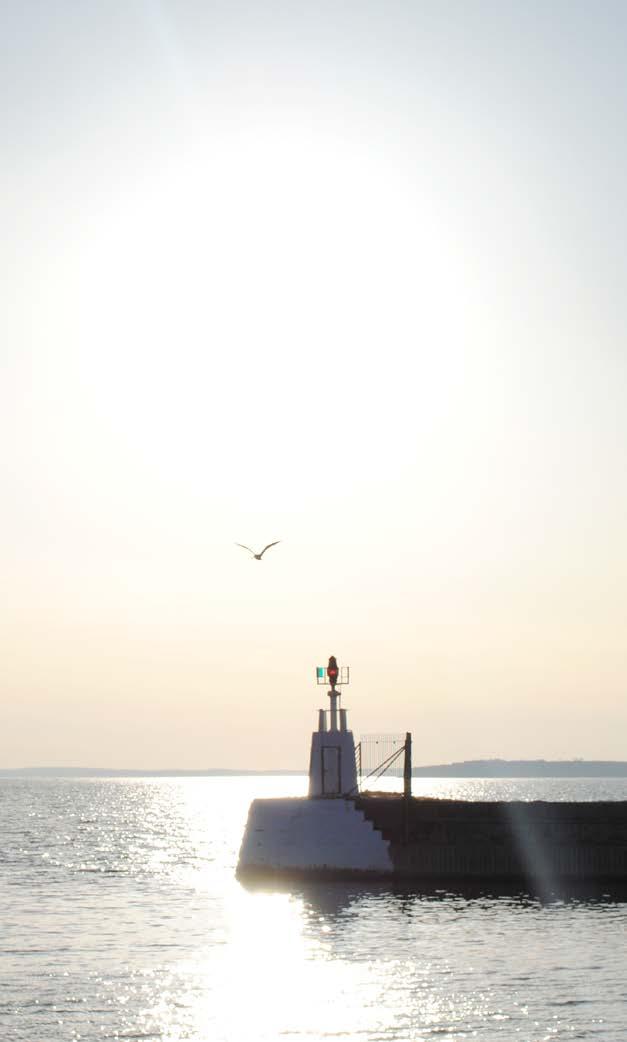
x=121, y=919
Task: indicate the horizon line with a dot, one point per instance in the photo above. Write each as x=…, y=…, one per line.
x=501, y=764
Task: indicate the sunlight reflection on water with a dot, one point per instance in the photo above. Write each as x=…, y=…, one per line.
x=122, y=918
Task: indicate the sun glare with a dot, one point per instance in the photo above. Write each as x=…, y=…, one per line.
x=237, y=296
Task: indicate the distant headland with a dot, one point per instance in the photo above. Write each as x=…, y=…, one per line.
x=525, y=769
x=493, y=768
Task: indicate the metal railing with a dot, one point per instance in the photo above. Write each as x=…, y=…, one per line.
x=378, y=755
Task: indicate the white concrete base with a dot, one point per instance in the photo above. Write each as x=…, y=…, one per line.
x=306, y=835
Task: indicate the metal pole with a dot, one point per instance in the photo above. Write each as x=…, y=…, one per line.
x=407, y=766
x=333, y=695
x=407, y=786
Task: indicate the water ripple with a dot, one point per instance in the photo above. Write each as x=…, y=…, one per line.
x=121, y=919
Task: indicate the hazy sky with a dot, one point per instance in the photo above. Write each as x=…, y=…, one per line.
x=346, y=274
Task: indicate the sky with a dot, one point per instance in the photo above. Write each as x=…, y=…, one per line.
x=346, y=275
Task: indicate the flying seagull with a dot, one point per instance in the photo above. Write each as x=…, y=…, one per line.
x=258, y=556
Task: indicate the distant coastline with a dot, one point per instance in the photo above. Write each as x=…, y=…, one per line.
x=525, y=769
x=463, y=769
x=114, y=772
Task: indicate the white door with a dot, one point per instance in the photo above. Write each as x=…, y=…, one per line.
x=331, y=775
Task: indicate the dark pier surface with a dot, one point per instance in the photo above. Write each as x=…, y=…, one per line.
x=541, y=844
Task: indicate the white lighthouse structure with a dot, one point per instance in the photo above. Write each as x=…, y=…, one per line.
x=332, y=767
x=324, y=833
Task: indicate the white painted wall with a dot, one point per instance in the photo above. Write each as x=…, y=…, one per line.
x=322, y=780
x=285, y=834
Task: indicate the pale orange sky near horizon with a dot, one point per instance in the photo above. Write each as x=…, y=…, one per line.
x=348, y=276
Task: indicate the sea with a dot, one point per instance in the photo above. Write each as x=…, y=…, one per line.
x=121, y=918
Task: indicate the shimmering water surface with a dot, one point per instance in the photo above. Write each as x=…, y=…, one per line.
x=121, y=918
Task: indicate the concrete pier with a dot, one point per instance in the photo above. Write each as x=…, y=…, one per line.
x=540, y=843
x=430, y=841
x=339, y=833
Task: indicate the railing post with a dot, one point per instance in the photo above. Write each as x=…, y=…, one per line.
x=407, y=766
x=406, y=786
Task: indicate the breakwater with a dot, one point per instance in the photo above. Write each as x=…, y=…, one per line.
x=536, y=842
x=539, y=844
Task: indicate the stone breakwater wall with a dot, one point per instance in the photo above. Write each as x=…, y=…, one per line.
x=309, y=838
x=433, y=841
x=540, y=843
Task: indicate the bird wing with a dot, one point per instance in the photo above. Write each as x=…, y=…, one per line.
x=268, y=547
x=246, y=548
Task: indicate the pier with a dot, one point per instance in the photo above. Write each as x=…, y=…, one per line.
x=340, y=832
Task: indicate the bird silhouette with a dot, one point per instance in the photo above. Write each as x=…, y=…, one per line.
x=258, y=556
